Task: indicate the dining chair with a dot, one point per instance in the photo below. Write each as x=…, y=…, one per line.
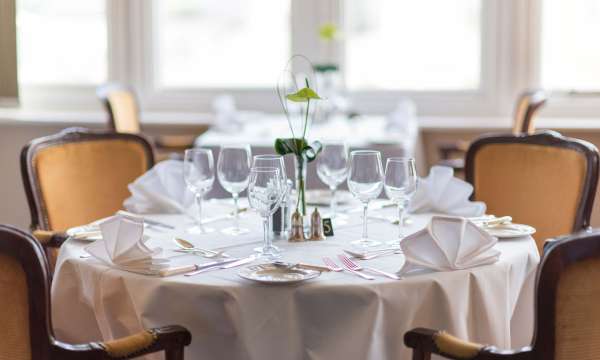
x=121, y=103
x=544, y=180
x=77, y=176
x=567, y=319
x=526, y=110
x=26, y=332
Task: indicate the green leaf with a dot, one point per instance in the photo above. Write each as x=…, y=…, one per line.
x=298, y=147
x=303, y=95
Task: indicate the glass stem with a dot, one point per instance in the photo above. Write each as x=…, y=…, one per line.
x=365, y=207
x=400, y=220
x=198, y=198
x=236, y=214
x=333, y=204
x=267, y=238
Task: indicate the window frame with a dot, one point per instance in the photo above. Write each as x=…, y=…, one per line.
x=509, y=63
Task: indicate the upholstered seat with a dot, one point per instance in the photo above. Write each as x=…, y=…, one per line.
x=567, y=314
x=543, y=180
x=26, y=331
x=78, y=176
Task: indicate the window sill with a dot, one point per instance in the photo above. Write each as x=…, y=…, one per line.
x=19, y=117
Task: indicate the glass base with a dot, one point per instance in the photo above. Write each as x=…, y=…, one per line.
x=367, y=243
x=395, y=242
x=197, y=230
x=270, y=253
x=235, y=231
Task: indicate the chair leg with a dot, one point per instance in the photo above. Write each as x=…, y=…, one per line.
x=419, y=354
x=174, y=353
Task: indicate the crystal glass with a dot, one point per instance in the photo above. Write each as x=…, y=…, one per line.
x=365, y=181
x=332, y=169
x=400, y=185
x=264, y=196
x=199, y=176
x=233, y=170
x=277, y=162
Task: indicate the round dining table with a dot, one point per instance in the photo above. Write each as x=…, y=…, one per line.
x=335, y=316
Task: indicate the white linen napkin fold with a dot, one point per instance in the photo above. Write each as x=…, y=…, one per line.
x=160, y=190
x=448, y=243
x=441, y=192
x=123, y=246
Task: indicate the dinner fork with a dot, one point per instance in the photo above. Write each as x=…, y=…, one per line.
x=334, y=267
x=354, y=266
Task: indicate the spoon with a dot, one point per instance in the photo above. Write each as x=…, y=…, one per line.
x=188, y=246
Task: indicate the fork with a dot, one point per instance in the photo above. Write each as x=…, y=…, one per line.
x=355, y=267
x=330, y=263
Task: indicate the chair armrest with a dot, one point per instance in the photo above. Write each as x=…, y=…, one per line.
x=171, y=339
x=50, y=238
x=426, y=342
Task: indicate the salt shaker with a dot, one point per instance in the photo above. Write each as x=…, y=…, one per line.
x=297, y=230
x=316, y=227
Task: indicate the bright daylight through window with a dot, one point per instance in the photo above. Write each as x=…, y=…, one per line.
x=62, y=42
x=382, y=51
x=222, y=44
x=570, y=56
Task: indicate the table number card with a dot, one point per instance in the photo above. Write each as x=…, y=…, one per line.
x=327, y=227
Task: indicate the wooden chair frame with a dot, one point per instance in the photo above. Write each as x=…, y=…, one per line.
x=554, y=139
x=29, y=253
x=563, y=252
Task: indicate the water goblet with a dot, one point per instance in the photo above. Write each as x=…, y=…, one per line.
x=199, y=177
x=365, y=181
x=233, y=171
x=264, y=196
x=332, y=169
x=400, y=185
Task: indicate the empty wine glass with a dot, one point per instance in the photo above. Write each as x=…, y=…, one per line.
x=199, y=176
x=332, y=169
x=277, y=162
x=365, y=181
x=400, y=185
x=264, y=196
x=233, y=170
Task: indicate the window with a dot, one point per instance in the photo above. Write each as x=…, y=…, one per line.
x=570, y=54
x=61, y=42
x=222, y=44
x=383, y=51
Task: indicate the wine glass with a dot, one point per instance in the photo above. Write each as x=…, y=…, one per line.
x=400, y=185
x=199, y=176
x=332, y=169
x=233, y=170
x=264, y=196
x=276, y=161
x=365, y=181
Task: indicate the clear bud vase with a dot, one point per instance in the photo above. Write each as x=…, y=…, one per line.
x=301, y=166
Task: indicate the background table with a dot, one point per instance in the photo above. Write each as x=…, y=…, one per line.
x=360, y=133
x=336, y=316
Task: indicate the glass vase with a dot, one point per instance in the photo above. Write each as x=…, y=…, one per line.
x=301, y=166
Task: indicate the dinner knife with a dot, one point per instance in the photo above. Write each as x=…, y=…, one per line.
x=228, y=265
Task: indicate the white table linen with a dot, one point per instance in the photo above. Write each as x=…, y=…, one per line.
x=336, y=316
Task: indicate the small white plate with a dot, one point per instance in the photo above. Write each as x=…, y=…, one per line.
x=271, y=274
x=507, y=231
x=323, y=197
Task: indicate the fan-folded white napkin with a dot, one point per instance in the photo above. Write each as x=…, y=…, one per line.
x=160, y=190
x=441, y=192
x=448, y=243
x=123, y=246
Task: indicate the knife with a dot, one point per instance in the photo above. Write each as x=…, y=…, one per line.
x=227, y=265
x=147, y=221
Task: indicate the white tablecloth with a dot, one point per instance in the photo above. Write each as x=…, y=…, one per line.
x=336, y=316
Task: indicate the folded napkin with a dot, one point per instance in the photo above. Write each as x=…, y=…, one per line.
x=448, y=243
x=160, y=190
x=123, y=246
x=440, y=192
